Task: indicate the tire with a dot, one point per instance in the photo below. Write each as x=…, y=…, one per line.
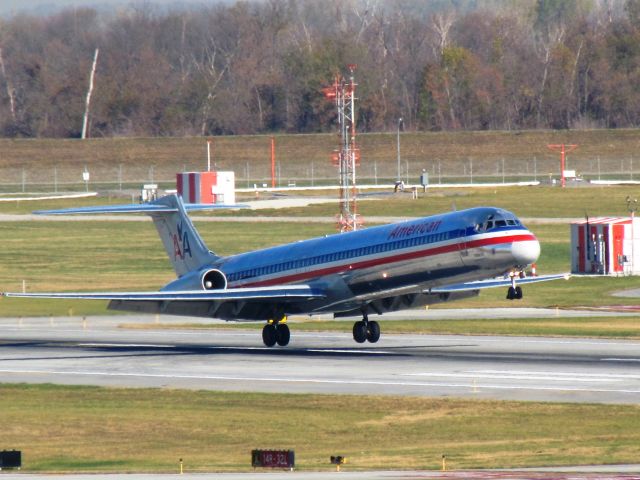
x=373, y=331
x=511, y=293
x=360, y=332
x=269, y=335
x=518, y=293
x=283, y=334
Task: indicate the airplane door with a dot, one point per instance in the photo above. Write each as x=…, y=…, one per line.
x=461, y=234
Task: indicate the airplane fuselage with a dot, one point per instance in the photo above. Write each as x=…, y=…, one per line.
x=360, y=269
x=370, y=271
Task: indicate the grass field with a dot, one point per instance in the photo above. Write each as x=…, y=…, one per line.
x=450, y=156
x=114, y=430
x=526, y=202
x=128, y=255
x=98, y=255
x=91, y=429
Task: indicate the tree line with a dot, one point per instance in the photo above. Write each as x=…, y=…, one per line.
x=259, y=67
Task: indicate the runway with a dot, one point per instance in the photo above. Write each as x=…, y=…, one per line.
x=98, y=352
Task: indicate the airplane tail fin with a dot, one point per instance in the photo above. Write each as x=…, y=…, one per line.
x=182, y=242
x=186, y=249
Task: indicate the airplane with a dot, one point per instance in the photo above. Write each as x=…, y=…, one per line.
x=375, y=270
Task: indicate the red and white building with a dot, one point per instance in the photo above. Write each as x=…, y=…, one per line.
x=606, y=246
x=207, y=187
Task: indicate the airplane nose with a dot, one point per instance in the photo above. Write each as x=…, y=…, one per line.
x=525, y=252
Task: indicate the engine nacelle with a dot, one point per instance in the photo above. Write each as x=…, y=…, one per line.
x=214, y=280
x=205, y=279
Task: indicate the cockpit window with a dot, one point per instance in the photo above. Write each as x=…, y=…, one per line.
x=495, y=221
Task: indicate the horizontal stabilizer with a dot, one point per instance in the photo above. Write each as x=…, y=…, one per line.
x=148, y=208
x=493, y=283
x=282, y=293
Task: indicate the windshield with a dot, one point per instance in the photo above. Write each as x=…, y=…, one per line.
x=496, y=220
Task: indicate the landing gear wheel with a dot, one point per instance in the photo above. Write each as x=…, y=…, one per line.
x=360, y=331
x=283, y=334
x=373, y=331
x=269, y=335
x=518, y=293
x=511, y=293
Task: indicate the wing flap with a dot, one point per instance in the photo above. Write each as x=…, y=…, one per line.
x=280, y=294
x=493, y=283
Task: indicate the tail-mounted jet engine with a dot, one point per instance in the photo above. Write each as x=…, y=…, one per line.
x=214, y=280
x=205, y=279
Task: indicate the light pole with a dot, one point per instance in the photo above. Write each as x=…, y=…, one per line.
x=398, y=139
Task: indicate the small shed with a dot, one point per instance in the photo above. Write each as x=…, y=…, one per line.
x=605, y=246
x=207, y=187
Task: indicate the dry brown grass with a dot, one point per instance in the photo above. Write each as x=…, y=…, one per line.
x=97, y=429
x=249, y=156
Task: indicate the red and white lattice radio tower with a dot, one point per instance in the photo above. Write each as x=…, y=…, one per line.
x=347, y=157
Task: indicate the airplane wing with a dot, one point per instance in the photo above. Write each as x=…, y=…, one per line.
x=498, y=282
x=148, y=208
x=279, y=294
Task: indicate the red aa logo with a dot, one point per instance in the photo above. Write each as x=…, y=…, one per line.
x=181, y=245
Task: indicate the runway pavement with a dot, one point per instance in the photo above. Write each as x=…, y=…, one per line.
x=98, y=352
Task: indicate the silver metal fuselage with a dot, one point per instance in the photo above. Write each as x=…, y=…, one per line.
x=388, y=267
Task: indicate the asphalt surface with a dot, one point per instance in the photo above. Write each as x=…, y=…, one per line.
x=97, y=351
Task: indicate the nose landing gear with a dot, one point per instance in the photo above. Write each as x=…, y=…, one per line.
x=276, y=332
x=366, y=330
x=515, y=292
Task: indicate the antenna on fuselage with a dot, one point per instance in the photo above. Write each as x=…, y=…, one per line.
x=453, y=207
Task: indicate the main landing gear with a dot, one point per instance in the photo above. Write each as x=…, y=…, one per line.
x=515, y=292
x=364, y=330
x=276, y=332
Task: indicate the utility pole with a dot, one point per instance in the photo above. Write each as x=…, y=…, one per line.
x=398, y=178
x=563, y=149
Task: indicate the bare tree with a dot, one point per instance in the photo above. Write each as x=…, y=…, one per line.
x=8, y=87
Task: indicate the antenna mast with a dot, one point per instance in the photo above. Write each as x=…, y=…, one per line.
x=347, y=156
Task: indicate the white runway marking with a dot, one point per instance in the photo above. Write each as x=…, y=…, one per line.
x=560, y=374
x=125, y=345
x=320, y=381
x=371, y=352
x=475, y=375
x=569, y=341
